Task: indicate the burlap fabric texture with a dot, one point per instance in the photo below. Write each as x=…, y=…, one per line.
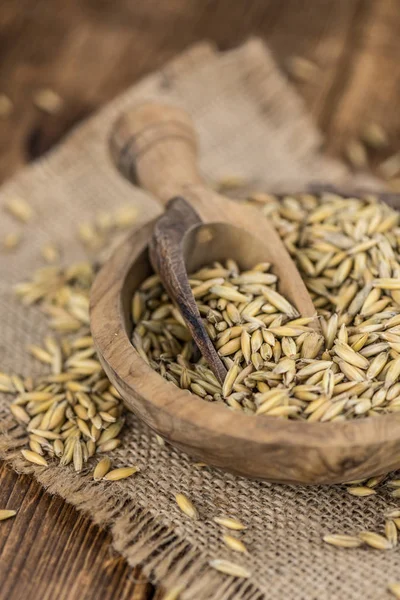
x=251, y=123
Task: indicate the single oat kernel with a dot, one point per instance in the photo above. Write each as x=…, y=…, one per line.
x=230, y=523
x=19, y=209
x=35, y=458
x=186, y=506
x=121, y=473
x=379, y=542
x=12, y=241
x=7, y=514
x=47, y=100
x=342, y=540
x=102, y=468
x=230, y=568
x=394, y=588
x=234, y=543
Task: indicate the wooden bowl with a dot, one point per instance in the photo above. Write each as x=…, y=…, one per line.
x=156, y=146
x=253, y=446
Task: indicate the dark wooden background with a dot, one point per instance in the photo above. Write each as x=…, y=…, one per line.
x=89, y=51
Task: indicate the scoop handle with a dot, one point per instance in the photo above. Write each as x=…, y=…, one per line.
x=155, y=147
x=167, y=258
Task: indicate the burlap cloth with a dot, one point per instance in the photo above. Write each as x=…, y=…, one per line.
x=251, y=123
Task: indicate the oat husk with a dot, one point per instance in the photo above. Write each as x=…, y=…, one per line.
x=252, y=124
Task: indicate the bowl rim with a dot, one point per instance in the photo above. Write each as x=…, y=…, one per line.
x=112, y=341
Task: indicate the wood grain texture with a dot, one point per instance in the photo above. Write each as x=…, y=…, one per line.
x=48, y=550
x=89, y=51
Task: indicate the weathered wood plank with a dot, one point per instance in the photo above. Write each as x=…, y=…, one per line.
x=48, y=550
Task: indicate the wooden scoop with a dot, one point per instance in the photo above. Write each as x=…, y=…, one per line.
x=168, y=257
x=155, y=146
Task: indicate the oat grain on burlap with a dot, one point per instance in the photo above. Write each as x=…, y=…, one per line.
x=251, y=123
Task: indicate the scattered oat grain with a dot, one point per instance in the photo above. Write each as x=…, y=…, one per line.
x=230, y=568
x=186, y=506
x=121, y=473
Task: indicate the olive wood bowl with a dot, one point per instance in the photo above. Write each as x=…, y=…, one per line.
x=253, y=446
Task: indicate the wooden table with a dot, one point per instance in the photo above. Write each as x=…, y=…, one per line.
x=89, y=51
